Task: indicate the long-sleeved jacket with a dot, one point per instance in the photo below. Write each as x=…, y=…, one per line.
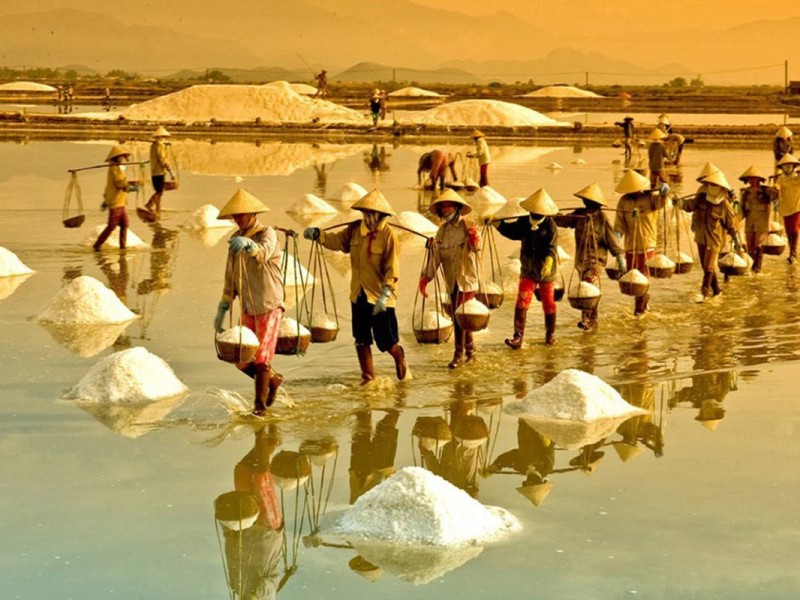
x=788, y=194
x=757, y=208
x=159, y=165
x=594, y=237
x=711, y=221
x=116, y=192
x=782, y=146
x=656, y=154
x=640, y=231
x=374, y=258
x=260, y=283
x=453, y=253
x=537, y=245
x=482, y=151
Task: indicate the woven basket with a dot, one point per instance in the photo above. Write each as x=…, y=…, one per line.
x=73, y=222
x=171, y=185
x=320, y=335
x=472, y=322
x=293, y=344
x=681, y=268
x=613, y=273
x=657, y=273
x=774, y=250
x=633, y=289
x=731, y=270
x=447, y=307
x=584, y=303
x=558, y=293
x=433, y=336
x=491, y=300
x=234, y=352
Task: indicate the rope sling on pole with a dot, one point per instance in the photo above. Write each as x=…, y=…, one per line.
x=298, y=343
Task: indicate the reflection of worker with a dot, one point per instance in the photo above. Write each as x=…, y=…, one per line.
x=117, y=274
x=159, y=167
x=159, y=261
x=534, y=457
x=115, y=197
x=482, y=154
x=372, y=455
x=436, y=163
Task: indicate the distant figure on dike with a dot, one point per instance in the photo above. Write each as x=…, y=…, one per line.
x=628, y=132
x=322, y=83
x=482, y=154
x=375, y=106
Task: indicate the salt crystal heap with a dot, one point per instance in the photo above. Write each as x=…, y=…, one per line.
x=206, y=217
x=473, y=307
x=660, y=261
x=635, y=276
x=491, y=113
x=561, y=91
x=433, y=320
x=84, y=300
x=414, y=507
x=294, y=272
x=349, y=192
x=492, y=288
x=131, y=240
x=310, y=204
x=322, y=321
x=242, y=336
x=733, y=260
x=487, y=195
x=11, y=266
x=414, y=92
x=584, y=289
x=415, y=221
x=131, y=376
x=775, y=239
x=683, y=258
x=290, y=328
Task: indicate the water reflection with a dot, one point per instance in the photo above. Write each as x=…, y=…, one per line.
x=372, y=453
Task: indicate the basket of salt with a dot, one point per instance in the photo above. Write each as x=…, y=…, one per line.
x=775, y=227
x=491, y=295
x=584, y=296
x=323, y=329
x=433, y=432
x=293, y=338
x=74, y=222
x=435, y=328
x=634, y=283
x=775, y=244
x=290, y=469
x=613, y=272
x=473, y=315
x=236, y=510
x=558, y=292
x=732, y=264
x=471, y=431
x=447, y=303
x=236, y=345
x=661, y=266
x=171, y=185
x=683, y=263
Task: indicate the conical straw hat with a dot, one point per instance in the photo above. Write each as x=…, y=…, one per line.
x=376, y=201
x=626, y=451
x=663, y=118
x=656, y=135
x=117, y=151
x=788, y=159
x=784, y=132
x=162, y=132
x=242, y=202
x=592, y=192
x=707, y=170
x=718, y=178
x=536, y=493
x=632, y=182
x=752, y=171
x=432, y=427
x=540, y=203
x=451, y=196
x=476, y=133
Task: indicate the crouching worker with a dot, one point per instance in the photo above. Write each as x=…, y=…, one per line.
x=374, y=261
x=456, y=246
x=253, y=274
x=539, y=243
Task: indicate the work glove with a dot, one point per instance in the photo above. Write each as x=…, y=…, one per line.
x=621, y=266
x=311, y=233
x=380, y=305
x=473, y=238
x=223, y=308
x=635, y=213
x=736, y=245
x=240, y=242
x=423, y=284
x=547, y=269
x=664, y=190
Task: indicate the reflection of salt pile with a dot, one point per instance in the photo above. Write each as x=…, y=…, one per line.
x=9, y=285
x=584, y=289
x=310, y=204
x=416, y=565
x=299, y=88
x=271, y=104
x=131, y=241
x=85, y=300
x=349, y=192
x=486, y=113
x=243, y=336
x=296, y=274
x=135, y=419
x=433, y=320
x=130, y=376
x=416, y=507
x=205, y=217
x=561, y=91
x=26, y=86
x=11, y=265
x=414, y=220
x=85, y=340
x=414, y=92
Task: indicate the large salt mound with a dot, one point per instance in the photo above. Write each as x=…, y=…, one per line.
x=131, y=240
x=416, y=507
x=349, y=192
x=574, y=395
x=486, y=113
x=561, y=91
x=86, y=301
x=299, y=88
x=416, y=565
x=26, y=86
x=205, y=217
x=417, y=222
x=295, y=273
x=414, y=92
x=310, y=204
x=130, y=376
x=487, y=195
x=11, y=265
x=272, y=104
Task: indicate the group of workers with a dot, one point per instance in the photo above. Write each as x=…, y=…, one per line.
x=437, y=163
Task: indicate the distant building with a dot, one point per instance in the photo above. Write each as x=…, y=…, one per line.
x=794, y=88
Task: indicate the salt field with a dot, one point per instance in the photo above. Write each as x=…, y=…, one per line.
x=696, y=498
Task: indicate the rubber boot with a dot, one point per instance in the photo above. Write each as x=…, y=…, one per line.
x=520, y=315
x=469, y=347
x=399, y=356
x=715, y=289
x=365, y=361
x=758, y=259
x=641, y=305
x=550, y=329
x=262, y=389
x=458, y=355
x=275, y=381
x=705, y=288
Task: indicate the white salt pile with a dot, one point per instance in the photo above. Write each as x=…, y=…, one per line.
x=634, y=276
x=660, y=261
x=732, y=260
x=416, y=507
x=414, y=92
x=576, y=396
x=473, y=307
x=294, y=272
x=492, y=288
x=87, y=301
x=299, y=88
x=683, y=258
x=773, y=239
x=433, y=320
x=290, y=328
x=511, y=209
x=241, y=335
x=414, y=220
x=238, y=103
x=578, y=161
x=26, y=86
x=561, y=91
x=205, y=217
x=131, y=240
x=486, y=113
x=584, y=289
x=349, y=192
x=310, y=204
x=11, y=265
x=322, y=321
x=775, y=227
x=487, y=195
x=133, y=375
x=554, y=166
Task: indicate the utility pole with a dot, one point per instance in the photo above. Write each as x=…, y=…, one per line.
x=786, y=76
x=394, y=75
x=587, y=79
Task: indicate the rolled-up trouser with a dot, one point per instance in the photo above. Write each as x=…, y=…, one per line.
x=382, y=326
x=266, y=327
x=638, y=260
x=546, y=293
x=117, y=217
x=708, y=258
x=484, y=180
x=792, y=225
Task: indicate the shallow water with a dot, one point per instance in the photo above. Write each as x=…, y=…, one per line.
x=119, y=504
